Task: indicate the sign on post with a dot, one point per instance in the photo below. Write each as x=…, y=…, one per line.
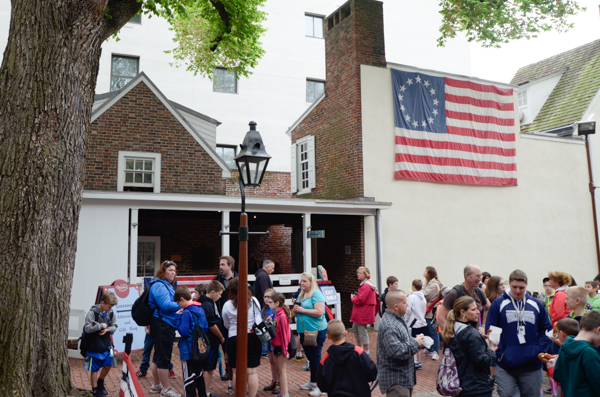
x=316, y=234
x=331, y=296
x=126, y=294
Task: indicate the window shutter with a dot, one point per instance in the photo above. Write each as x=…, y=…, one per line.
x=312, y=180
x=293, y=180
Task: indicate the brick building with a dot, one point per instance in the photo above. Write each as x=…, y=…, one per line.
x=156, y=189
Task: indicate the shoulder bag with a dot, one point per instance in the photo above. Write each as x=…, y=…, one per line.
x=265, y=331
x=310, y=337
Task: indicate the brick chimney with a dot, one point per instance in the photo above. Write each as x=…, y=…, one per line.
x=353, y=37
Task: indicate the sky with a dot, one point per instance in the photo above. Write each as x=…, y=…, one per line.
x=502, y=64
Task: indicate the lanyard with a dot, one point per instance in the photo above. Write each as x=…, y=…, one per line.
x=520, y=313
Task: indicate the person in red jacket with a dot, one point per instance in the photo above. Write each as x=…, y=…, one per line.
x=364, y=307
x=282, y=338
x=559, y=281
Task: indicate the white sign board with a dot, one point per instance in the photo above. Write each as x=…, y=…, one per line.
x=285, y=280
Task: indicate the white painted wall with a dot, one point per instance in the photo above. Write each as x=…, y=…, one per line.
x=543, y=224
x=102, y=249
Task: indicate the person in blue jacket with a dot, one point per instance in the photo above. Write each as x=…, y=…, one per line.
x=162, y=327
x=524, y=322
x=192, y=315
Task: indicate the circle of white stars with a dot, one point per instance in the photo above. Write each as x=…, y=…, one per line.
x=426, y=84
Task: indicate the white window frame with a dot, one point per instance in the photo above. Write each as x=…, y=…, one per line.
x=157, y=259
x=522, y=97
x=156, y=157
x=137, y=58
x=315, y=16
x=215, y=80
x=306, y=90
x=296, y=174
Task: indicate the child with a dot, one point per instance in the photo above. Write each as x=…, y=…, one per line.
x=578, y=364
x=269, y=314
x=392, y=285
x=577, y=298
x=345, y=370
x=564, y=328
x=594, y=298
x=208, y=296
x=191, y=314
x=282, y=339
x=100, y=324
x=415, y=316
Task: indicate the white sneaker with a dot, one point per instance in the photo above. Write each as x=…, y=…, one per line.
x=315, y=392
x=435, y=356
x=170, y=392
x=309, y=386
x=155, y=389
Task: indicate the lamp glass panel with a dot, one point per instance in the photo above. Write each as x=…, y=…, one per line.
x=243, y=169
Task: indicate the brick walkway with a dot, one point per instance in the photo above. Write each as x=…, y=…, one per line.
x=425, y=378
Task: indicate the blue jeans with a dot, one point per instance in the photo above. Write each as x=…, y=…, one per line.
x=148, y=345
x=313, y=353
x=434, y=335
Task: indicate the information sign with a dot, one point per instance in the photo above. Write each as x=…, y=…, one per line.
x=331, y=296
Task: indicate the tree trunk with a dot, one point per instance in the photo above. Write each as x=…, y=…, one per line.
x=47, y=81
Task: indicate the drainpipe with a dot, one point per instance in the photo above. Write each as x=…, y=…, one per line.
x=379, y=251
x=590, y=151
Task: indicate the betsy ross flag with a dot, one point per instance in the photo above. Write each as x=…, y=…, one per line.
x=130, y=384
x=455, y=131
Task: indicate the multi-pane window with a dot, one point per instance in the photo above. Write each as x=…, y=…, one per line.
x=313, y=26
x=303, y=165
x=314, y=89
x=522, y=98
x=139, y=172
x=137, y=18
x=124, y=69
x=224, y=81
x=227, y=153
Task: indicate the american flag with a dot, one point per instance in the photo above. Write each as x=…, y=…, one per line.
x=455, y=131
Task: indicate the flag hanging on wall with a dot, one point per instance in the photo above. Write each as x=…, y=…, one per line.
x=455, y=131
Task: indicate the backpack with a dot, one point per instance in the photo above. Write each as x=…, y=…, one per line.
x=447, y=382
x=479, y=292
x=141, y=312
x=200, y=344
x=84, y=342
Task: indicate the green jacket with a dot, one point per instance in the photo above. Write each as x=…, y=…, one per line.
x=577, y=369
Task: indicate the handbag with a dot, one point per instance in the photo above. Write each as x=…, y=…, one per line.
x=310, y=337
x=265, y=330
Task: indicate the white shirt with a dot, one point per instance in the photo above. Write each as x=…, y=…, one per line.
x=417, y=305
x=230, y=316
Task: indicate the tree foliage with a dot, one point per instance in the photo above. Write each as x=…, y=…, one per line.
x=494, y=22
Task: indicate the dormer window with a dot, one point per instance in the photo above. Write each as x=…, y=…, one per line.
x=522, y=99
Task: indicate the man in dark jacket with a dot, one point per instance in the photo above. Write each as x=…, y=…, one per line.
x=524, y=322
x=263, y=281
x=345, y=370
x=226, y=274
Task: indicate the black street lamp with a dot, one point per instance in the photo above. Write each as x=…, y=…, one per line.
x=252, y=163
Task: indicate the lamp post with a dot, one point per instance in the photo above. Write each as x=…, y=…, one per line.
x=585, y=129
x=252, y=163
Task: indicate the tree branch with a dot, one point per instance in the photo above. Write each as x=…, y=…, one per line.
x=119, y=12
x=225, y=16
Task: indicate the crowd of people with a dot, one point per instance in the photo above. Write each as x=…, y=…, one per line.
x=494, y=335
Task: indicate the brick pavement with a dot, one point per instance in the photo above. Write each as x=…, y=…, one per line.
x=425, y=378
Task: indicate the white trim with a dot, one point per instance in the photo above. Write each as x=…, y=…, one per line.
x=193, y=202
x=140, y=155
x=531, y=135
x=310, y=152
x=226, y=173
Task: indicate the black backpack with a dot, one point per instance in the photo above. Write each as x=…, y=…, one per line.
x=141, y=312
x=200, y=344
x=479, y=292
x=83, y=341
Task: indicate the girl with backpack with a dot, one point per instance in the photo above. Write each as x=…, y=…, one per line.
x=472, y=355
x=282, y=339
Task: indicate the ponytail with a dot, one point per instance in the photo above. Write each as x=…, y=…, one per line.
x=448, y=331
x=280, y=298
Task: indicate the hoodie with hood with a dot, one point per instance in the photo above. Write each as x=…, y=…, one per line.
x=192, y=314
x=511, y=354
x=365, y=304
x=415, y=313
x=346, y=370
x=577, y=369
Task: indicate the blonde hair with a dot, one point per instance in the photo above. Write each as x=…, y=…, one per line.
x=364, y=270
x=313, y=286
x=578, y=292
x=460, y=304
x=335, y=330
x=561, y=277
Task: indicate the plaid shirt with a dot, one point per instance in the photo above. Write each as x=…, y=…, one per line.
x=395, y=351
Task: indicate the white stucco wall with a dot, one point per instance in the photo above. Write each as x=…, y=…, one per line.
x=543, y=224
x=102, y=250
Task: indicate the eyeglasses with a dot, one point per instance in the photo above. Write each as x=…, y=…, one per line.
x=267, y=296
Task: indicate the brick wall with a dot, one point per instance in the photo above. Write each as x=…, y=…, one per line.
x=274, y=184
x=277, y=246
x=140, y=122
x=354, y=36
